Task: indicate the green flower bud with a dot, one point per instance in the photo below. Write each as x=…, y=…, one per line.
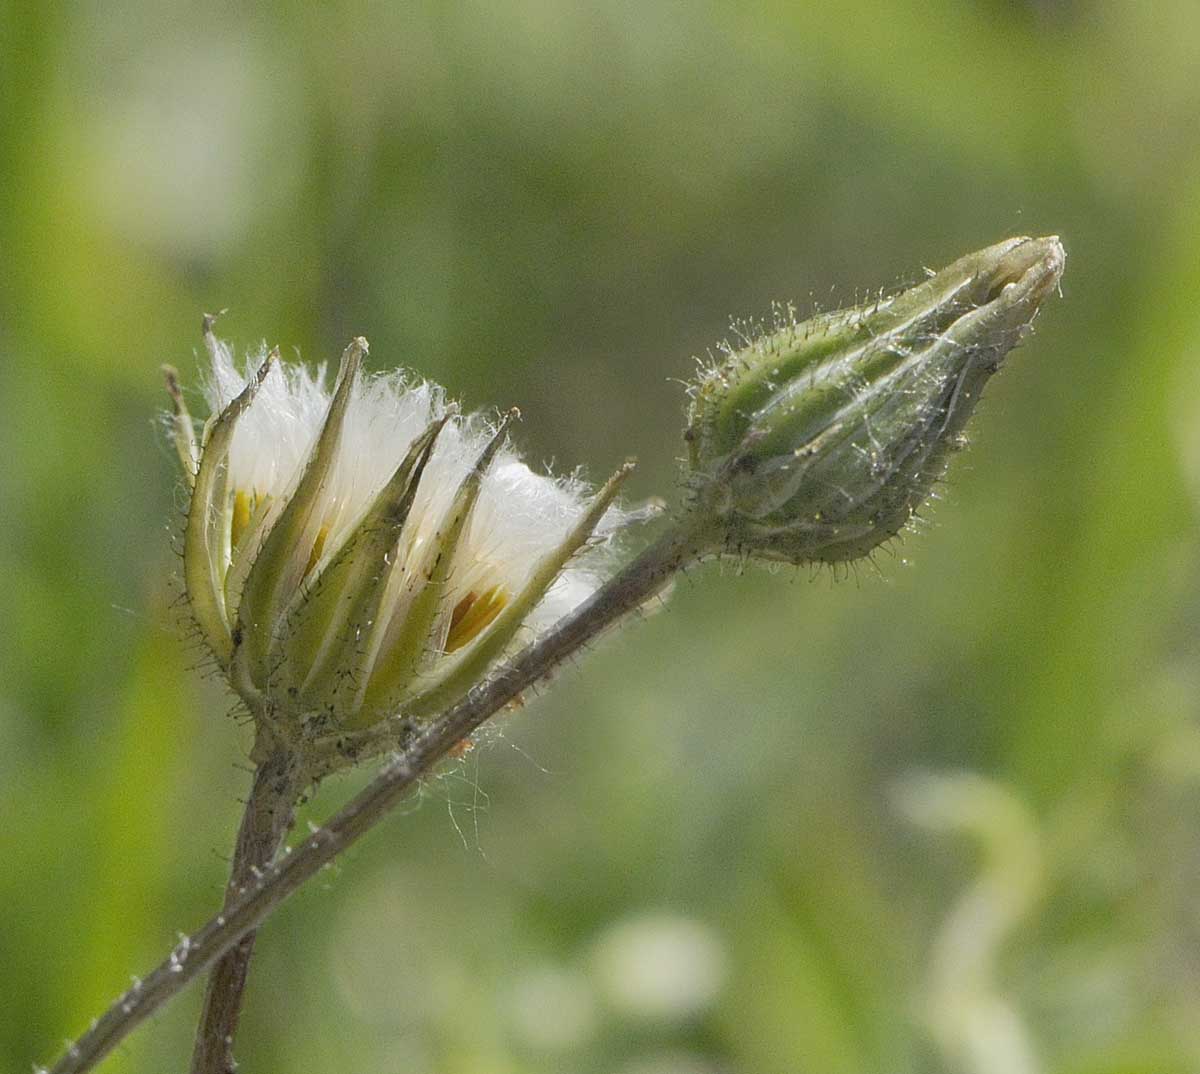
x=817, y=441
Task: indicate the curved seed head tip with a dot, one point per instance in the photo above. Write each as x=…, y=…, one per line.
x=818, y=440
x=182, y=431
x=351, y=362
x=171, y=376
x=207, y=323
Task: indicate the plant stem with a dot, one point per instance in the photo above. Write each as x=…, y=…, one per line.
x=270, y=809
x=625, y=593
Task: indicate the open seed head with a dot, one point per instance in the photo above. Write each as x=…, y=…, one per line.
x=367, y=551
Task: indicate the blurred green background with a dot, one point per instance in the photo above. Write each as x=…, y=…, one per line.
x=941, y=819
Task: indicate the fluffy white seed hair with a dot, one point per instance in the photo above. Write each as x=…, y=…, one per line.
x=520, y=515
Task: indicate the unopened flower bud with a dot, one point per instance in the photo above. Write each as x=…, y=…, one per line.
x=818, y=440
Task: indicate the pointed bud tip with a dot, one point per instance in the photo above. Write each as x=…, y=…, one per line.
x=1027, y=269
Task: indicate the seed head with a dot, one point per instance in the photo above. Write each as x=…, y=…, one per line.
x=819, y=440
x=367, y=552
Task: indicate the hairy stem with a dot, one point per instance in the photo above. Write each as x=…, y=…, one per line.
x=268, y=817
x=624, y=593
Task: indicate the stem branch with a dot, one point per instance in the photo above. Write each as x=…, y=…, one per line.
x=624, y=593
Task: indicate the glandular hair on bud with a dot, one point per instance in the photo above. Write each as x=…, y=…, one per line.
x=818, y=440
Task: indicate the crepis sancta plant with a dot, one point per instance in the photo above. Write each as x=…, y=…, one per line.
x=375, y=572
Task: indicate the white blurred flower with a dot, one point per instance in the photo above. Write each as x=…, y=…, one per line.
x=660, y=966
x=367, y=552
x=553, y=1009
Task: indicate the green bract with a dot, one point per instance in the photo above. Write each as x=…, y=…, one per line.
x=818, y=440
